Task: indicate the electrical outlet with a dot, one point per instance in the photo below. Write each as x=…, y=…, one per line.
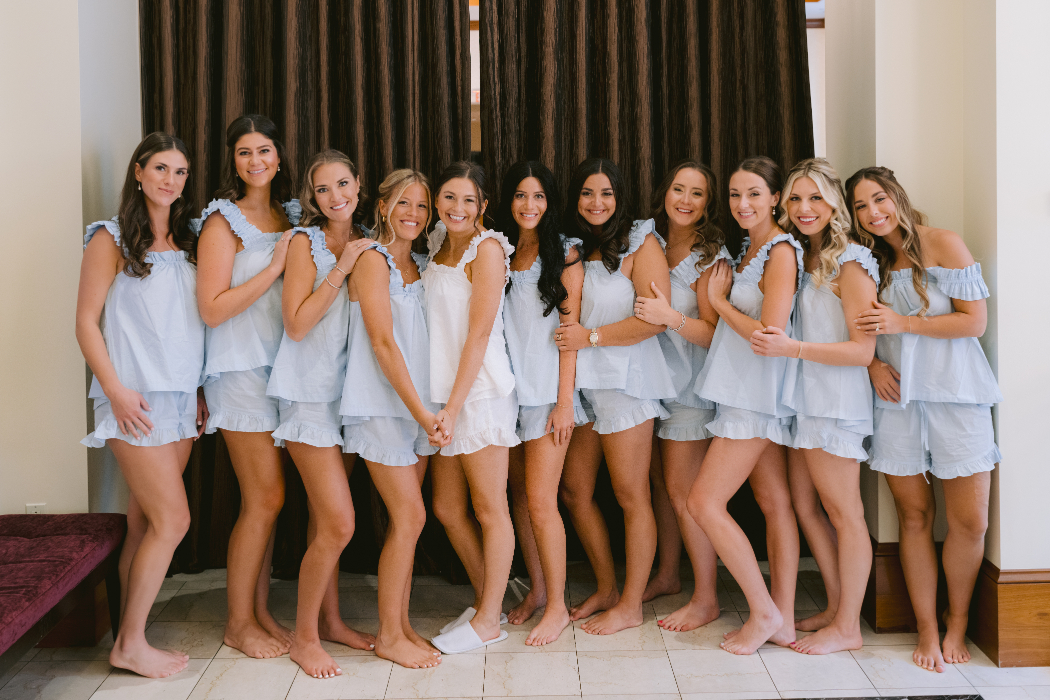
x=35, y=507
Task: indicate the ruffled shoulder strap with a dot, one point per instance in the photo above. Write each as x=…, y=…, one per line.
x=571, y=244
x=759, y=261
x=744, y=245
x=435, y=240
x=293, y=211
x=421, y=261
x=965, y=284
x=111, y=225
x=472, y=250
x=858, y=253
x=233, y=215
x=318, y=247
x=639, y=230
x=386, y=254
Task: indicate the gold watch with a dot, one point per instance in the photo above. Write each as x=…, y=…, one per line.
x=594, y=337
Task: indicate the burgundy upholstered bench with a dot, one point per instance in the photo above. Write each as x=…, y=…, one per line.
x=49, y=564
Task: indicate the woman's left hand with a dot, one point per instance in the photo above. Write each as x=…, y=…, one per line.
x=202, y=412
x=572, y=336
x=773, y=342
x=881, y=320
x=560, y=423
x=656, y=311
x=446, y=427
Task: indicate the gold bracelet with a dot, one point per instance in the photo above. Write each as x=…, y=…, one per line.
x=330, y=284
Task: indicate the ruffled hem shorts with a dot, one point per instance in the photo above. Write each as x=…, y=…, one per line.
x=309, y=423
x=484, y=422
x=685, y=423
x=741, y=424
x=946, y=439
x=614, y=411
x=532, y=420
x=386, y=440
x=173, y=414
x=237, y=401
x=837, y=437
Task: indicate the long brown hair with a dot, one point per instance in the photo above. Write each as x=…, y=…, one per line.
x=615, y=238
x=909, y=219
x=709, y=236
x=231, y=186
x=136, y=233
x=312, y=215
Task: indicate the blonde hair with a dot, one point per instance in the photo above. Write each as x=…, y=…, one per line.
x=312, y=215
x=390, y=191
x=837, y=235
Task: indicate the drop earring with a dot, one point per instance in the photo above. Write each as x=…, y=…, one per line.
x=278, y=168
x=140, y=187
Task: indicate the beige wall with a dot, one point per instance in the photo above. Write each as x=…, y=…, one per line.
x=42, y=389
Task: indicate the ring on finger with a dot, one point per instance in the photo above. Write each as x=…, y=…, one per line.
x=876, y=328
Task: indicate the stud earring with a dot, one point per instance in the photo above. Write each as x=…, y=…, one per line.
x=278, y=168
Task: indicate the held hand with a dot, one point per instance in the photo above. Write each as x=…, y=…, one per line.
x=572, y=336
x=773, y=342
x=435, y=437
x=656, y=311
x=446, y=425
x=280, y=251
x=561, y=421
x=129, y=408
x=202, y=413
x=720, y=282
x=882, y=320
x=351, y=252
x=886, y=380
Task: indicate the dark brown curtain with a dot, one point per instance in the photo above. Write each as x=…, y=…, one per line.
x=645, y=83
x=386, y=82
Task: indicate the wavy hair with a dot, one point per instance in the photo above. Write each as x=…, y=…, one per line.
x=312, y=215
x=551, y=251
x=838, y=233
x=136, y=233
x=231, y=186
x=909, y=219
x=391, y=190
x=709, y=237
x=614, y=239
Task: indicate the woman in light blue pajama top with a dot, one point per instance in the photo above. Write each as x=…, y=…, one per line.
x=934, y=392
x=685, y=209
x=140, y=332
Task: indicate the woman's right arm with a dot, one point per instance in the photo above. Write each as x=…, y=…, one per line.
x=100, y=266
x=778, y=281
x=216, y=250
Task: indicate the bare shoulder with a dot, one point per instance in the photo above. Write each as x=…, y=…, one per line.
x=944, y=248
x=782, y=253
x=214, y=223
x=489, y=249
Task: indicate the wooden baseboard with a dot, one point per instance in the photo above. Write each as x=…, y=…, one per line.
x=887, y=607
x=1010, y=616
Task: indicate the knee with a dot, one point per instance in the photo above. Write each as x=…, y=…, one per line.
x=495, y=515
x=338, y=529
x=680, y=503
x=635, y=499
x=410, y=520
x=173, y=526
x=266, y=503
x=972, y=525
x=544, y=512
x=915, y=518
x=574, y=498
x=700, y=509
x=775, y=505
x=448, y=514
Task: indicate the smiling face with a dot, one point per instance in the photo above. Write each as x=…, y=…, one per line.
x=750, y=199
x=458, y=206
x=408, y=215
x=807, y=208
x=875, y=210
x=335, y=191
x=529, y=204
x=164, y=177
x=256, y=160
x=686, y=198
x=597, y=202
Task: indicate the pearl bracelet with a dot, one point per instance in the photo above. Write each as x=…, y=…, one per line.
x=680, y=325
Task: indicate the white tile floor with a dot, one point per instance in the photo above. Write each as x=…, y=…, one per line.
x=646, y=663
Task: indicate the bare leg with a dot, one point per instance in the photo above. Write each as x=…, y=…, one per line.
x=628, y=456
x=406, y=625
x=257, y=464
x=577, y=492
x=966, y=502
x=681, y=464
x=667, y=580
x=137, y=525
x=399, y=489
x=262, y=598
x=915, y=512
x=726, y=466
x=837, y=480
x=451, y=500
x=332, y=510
x=154, y=475
x=537, y=595
x=820, y=535
x=544, y=462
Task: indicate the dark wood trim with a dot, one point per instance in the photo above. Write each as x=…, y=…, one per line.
x=1010, y=615
x=816, y=23
x=1015, y=575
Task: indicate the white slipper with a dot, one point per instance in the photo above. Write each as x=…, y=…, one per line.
x=463, y=639
x=466, y=616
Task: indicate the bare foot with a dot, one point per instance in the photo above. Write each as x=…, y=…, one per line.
x=597, y=601
x=829, y=640
x=816, y=622
x=690, y=616
x=420, y=642
x=484, y=631
x=927, y=652
x=252, y=640
x=527, y=607
x=619, y=617
x=274, y=628
x=314, y=660
x=550, y=627
x=662, y=585
x=337, y=631
x=758, y=629
x=147, y=661
x=954, y=644
x=405, y=653
x=785, y=636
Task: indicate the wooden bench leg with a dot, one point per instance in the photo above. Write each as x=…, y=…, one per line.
x=113, y=591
